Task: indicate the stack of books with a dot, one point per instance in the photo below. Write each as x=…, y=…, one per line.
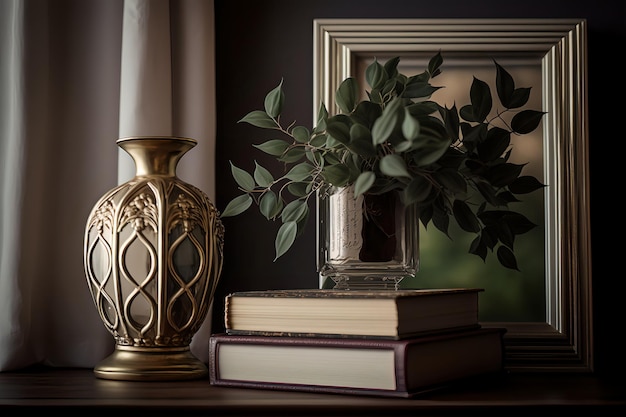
x=384, y=343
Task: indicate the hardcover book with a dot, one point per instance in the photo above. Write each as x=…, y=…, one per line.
x=360, y=313
x=379, y=367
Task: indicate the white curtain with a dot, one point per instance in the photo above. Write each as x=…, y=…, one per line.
x=75, y=75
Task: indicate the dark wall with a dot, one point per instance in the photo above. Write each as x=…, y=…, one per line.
x=258, y=43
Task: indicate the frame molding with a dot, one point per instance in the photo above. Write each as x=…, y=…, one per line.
x=564, y=341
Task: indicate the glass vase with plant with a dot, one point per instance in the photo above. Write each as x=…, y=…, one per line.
x=446, y=163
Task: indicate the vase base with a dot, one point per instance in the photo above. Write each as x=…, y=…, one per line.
x=343, y=282
x=150, y=364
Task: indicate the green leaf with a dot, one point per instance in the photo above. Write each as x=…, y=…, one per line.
x=525, y=184
x=332, y=159
x=430, y=151
x=366, y=113
x=451, y=121
x=394, y=86
x=316, y=158
x=494, y=145
x=434, y=64
x=452, y=159
x=520, y=97
x=402, y=147
x=274, y=101
x=492, y=217
x=473, y=135
x=467, y=113
x=295, y=211
x=269, y=206
x=394, y=166
x=417, y=191
x=284, y=238
x=518, y=223
x=301, y=134
x=526, y=121
x=355, y=166
x=261, y=119
x=337, y=175
x=322, y=115
x=274, y=147
x=339, y=128
x=300, y=172
x=242, y=178
x=262, y=176
x=391, y=66
x=505, y=234
x=237, y=205
x=375, y=74
x=386, y=123
x=361, y=141
x=319, y=141
x=347, y=95
x=425, y=213
x=298, y=189
x=488, y=193
x=502, y=175
x=423, y=108
x=451, y=180
x=418, y=89
x=441, y=220
x=294, y=154
x=364, y=182
x=480, y=96
x=478, y=248
x=507, y=258
x=302, y=223
x=504, y=86
x=465, y=217
x=507, y=197
x=489, y=237
x=410, y=126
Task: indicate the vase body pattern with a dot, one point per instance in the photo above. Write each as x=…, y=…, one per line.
x=366, y=242
x=153, y=257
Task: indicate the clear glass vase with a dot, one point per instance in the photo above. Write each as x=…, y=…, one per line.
x=365, y=242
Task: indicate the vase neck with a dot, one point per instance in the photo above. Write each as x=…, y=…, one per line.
x=156, y=155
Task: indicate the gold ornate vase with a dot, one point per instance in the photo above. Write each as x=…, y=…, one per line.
x=153, y=257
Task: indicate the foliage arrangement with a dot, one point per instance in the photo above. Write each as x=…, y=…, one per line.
x=452, y=163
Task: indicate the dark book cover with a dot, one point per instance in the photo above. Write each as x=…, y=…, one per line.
x=344, y=294
x=416, y=365
x=351, y=314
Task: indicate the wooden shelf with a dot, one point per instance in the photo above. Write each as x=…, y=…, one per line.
x=78, y=390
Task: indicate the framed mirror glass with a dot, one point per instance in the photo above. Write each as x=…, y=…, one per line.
x=546, y=307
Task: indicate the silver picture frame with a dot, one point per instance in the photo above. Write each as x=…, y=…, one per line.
x=557, y=50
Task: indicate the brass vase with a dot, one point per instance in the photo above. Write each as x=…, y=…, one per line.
x=153, y=257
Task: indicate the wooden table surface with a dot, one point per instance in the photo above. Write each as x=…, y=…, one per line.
x=78, y=390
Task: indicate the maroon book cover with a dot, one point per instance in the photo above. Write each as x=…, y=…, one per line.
x=393, y=368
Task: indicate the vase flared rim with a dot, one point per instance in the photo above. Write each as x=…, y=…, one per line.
x=137, y=138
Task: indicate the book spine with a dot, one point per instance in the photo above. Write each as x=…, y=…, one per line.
x=400, y=364
x=227, y=309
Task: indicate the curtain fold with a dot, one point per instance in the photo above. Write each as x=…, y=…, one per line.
x=11, y=150
x=61, y=104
